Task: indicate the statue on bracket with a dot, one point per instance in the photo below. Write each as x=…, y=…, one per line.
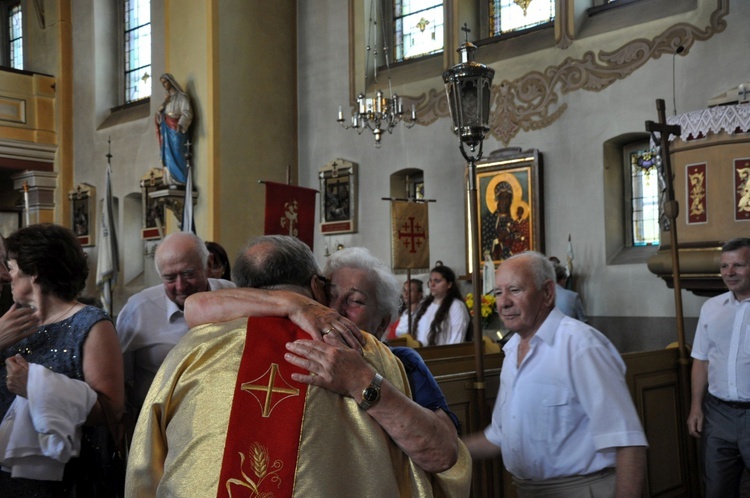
x=173, y=120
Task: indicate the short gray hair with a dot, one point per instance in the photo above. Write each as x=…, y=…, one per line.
x=199, y=246
x=387, y=288
x=541, y=268
x=287, y=262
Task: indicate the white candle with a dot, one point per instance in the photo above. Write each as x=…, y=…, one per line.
x=26, y=202
x=341, y=114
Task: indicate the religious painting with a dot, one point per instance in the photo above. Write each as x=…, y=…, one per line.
x=82, y=213
x=338, y=197
x=509, y=194
x=695, y=175
x=742, y=189
x=152, y=219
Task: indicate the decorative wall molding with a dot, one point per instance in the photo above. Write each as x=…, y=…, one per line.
x=531, y=102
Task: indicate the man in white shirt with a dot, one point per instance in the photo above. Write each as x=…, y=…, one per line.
x=720, y=404
x=152, y=321
x=568, y=301
x=564, y=419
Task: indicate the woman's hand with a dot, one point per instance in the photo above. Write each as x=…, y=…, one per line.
x=18, y=374
x=338, y=369
x=319, y=320
x=16, y=324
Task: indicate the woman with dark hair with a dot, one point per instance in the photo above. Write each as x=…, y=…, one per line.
x=218, y=265
x=48, y=269
x=442, y=317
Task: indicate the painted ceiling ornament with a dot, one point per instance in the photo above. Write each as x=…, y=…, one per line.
x=532, y=102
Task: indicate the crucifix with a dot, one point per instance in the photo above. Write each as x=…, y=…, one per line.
x=671, y=211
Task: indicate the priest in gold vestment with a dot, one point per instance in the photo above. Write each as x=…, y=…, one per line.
x=185, y=444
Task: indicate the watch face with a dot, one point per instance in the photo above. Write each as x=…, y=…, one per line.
x=370, y=394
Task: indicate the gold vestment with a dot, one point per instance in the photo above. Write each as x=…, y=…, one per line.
x=178, y=444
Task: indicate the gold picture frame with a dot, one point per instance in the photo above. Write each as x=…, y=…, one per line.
x=338, y=197
x=509, y=187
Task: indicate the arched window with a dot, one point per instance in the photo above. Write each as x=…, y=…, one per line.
x=631, y=199
x=137, y=49
x=11, y=42
x=644, y=195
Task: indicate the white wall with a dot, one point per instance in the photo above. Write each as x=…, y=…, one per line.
x=572, y=150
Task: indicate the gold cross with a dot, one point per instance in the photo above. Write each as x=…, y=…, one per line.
x=270, y=389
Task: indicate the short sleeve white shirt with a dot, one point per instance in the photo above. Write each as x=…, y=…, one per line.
x=403, y=323
x=723, y=339
x=567, y=408
x=148, y=327
x=454, y=331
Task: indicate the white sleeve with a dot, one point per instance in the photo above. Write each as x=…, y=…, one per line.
x=459, y=322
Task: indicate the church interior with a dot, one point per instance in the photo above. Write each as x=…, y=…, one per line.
x=267, y=81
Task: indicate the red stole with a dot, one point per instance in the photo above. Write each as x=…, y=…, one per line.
x=263, y=436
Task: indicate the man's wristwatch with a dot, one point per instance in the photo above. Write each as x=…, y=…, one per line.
x=371, y=393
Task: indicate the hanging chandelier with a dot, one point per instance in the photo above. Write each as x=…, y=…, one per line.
x=379, y=114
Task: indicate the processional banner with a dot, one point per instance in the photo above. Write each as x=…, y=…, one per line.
x=290, y=210
x=410, y=244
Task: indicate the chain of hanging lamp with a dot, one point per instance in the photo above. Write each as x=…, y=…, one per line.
x=378, y=114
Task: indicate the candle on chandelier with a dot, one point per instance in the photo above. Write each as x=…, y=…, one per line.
x=341, y=114
x=413, y=112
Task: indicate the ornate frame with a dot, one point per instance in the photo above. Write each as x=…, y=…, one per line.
x=338, y=197
x=516, y=176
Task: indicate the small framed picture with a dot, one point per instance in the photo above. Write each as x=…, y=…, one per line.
x=338, y=187
x=83, y=213
x=152, y=215
x=510, y=212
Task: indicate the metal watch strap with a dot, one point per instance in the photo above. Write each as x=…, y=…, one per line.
x=371, y=394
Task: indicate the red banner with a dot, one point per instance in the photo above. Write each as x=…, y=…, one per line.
x=261, y=449
x=290, y=210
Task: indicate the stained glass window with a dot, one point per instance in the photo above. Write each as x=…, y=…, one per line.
x=137, y=50
x=644, y=198
x=15, y=36
x=515, y=15
x=417, y=28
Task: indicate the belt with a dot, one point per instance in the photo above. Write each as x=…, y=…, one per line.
x=531, y=485
x=740, y=405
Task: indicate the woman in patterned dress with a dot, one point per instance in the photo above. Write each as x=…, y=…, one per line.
x=48, y=270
